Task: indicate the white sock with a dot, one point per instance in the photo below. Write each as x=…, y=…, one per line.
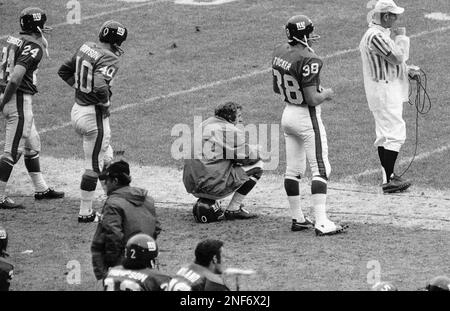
x=38, y=181
x=87, y=197
x=319, y=201
x=3, y=187
x=294, y=208
x=235, y=202
x=103, y=183
x=383, y=172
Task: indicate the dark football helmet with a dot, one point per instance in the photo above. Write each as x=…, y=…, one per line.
x=114, y=33
x=384, y=287
x=206, y=210
x=33, y=20
x=299, y=28
x=439, y=283
x=141, y=251
x=3, y=242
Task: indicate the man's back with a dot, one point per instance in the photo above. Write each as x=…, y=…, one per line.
x=121, y=279
x=294, y=68
x=21, y=50
x=196, y=278
x=94, y=68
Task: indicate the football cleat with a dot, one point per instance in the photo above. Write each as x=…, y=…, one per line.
x=8, y=203
x=384, y=287
x=396, y=184
x=241, y=213
x=49, y=194
x=329, y=229
x=93, y=217
x=300, y=226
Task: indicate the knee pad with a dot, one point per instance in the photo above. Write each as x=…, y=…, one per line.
x=319, y=185
x=89, y=180
x=32, y=162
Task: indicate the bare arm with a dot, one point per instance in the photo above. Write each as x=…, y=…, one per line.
x=314, y=98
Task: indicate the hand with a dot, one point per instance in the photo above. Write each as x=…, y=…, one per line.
x=104, y=107
x=328, y=93
x=400, y=31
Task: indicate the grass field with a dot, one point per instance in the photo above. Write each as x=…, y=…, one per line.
x=221, y=53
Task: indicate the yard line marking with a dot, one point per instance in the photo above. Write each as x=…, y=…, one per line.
x=105, y=13
x=236, y=78
x=419, y=157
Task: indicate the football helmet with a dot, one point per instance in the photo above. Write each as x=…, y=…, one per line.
x=384, y=287
x=114, y=33
x=3, y=242
x=33, y=20
x=299, y=28
x=141, y=251
x=206, y=210
x=439, y=283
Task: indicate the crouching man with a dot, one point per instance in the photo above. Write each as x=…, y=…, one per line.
x=225, y=164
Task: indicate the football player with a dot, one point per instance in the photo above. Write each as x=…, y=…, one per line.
x=18, y=77
x=205, y=273
x=296, y=78
x=137, y=272
x=6, y=269
x=90, y=72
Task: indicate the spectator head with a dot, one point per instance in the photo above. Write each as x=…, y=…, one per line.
x=230, y=112
x=208, y=254
x=116, y=175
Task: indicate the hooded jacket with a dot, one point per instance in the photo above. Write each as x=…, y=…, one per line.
x=215, y=170
x=127, y=211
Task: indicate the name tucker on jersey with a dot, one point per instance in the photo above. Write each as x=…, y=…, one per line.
x=90, y=52
x=279, y=62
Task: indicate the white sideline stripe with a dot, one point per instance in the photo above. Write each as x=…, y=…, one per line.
x=104, y=13
x=420, y=156
x=219, y=82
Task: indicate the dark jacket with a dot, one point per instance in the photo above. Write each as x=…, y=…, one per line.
x=6, y=274
x=127, y=211
x=215, y=170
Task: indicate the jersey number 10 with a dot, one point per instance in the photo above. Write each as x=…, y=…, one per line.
x=83, y=75
x=288, y=87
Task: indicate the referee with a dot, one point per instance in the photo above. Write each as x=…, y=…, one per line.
x=386, y=85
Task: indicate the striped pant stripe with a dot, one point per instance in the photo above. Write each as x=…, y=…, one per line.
x=20, y=124
x=98, y=141
x=318, y=141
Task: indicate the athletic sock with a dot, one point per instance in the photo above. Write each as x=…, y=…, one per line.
x=235, y=202
x=33, y=166
x=293, y=195
x=38, y=181
x=319, y=205
x=389, y=162
x=87, y=197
